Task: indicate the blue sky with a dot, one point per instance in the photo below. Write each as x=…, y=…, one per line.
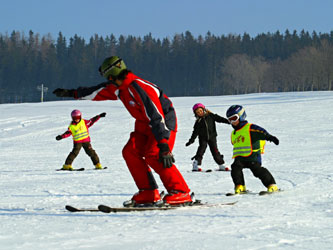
x=164, y=18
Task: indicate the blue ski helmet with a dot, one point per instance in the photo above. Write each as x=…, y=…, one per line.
x=236, y=110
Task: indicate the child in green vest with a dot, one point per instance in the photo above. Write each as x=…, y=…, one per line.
x=80, y=132
x=248, y=141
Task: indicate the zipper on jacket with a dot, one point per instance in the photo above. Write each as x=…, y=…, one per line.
x=207, y=129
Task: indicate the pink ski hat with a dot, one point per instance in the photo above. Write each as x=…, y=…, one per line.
x=198, y=105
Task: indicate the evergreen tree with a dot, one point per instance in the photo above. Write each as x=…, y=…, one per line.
x=181, y=66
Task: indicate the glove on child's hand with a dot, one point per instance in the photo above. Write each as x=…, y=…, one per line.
x=165, y=155
x=273, y=139
x=59, y=137
x=102, y=114
x=189, y=143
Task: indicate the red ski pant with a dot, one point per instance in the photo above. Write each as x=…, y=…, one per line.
x=141, y=153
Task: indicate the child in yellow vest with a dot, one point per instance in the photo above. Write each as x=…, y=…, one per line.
x=248, y=141
x=80, y=132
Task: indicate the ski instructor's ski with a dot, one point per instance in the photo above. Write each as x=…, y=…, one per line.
x=74, y=209
x=108, y=209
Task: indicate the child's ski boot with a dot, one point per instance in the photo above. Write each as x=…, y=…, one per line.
x=272, y=188
x=240, y=189
x=196, y=167
x=98, y=166
x=67, y=167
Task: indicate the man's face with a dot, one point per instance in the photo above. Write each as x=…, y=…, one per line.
x=118, y=82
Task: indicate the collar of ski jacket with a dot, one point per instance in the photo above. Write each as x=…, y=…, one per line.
x=239, y=126
x=130, y=77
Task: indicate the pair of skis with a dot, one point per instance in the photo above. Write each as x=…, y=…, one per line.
x=109, y=209
x=79, y=169
x=210, y=170
x=195, y=204
x=249, y=192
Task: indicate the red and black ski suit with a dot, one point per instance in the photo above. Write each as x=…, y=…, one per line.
x=155, y=122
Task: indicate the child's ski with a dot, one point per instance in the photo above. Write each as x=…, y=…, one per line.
x=243, y=193
x=250, y=192
x=202, y=171
x=74, y=169
x=226, y=170
x=100, y=168
x=266, y=192
x=210, y=170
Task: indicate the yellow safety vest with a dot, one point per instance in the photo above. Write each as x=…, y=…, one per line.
x=241, y=139
x=79, y=131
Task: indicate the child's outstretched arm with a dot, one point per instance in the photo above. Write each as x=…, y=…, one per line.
x=220, y=119
x=260, y=133
x=64, y=135
x=95, y=119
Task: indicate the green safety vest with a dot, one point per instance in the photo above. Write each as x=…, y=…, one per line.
x=241, y=139
x=79, y=131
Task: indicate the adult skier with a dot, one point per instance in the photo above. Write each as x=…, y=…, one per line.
x=150, y=144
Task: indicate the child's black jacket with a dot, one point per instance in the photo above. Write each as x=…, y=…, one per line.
x=205, y=127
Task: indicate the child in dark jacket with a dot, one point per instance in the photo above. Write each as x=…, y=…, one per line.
x=79, y=129
x=205, y=128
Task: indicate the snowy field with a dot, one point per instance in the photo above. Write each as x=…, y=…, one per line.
x=33, y=195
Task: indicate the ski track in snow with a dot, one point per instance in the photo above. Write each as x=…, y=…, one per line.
x=33, y=195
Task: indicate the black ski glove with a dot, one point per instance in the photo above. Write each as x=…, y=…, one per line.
x=64, y=92
x=189, y=142
x=272, y=138
x=165, y=155
x=59, y=137
x=102, y=114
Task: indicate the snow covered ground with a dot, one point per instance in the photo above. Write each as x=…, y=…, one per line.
x=33, y=195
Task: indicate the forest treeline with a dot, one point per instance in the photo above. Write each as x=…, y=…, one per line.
x=183, y=65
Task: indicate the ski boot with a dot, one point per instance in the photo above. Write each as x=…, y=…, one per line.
x=223, y=168
x=98, y=166
x=67, y=167
x=196, y=167
x=144, y=198
x=272, y=188
x=177, y=198
x=240, y=189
